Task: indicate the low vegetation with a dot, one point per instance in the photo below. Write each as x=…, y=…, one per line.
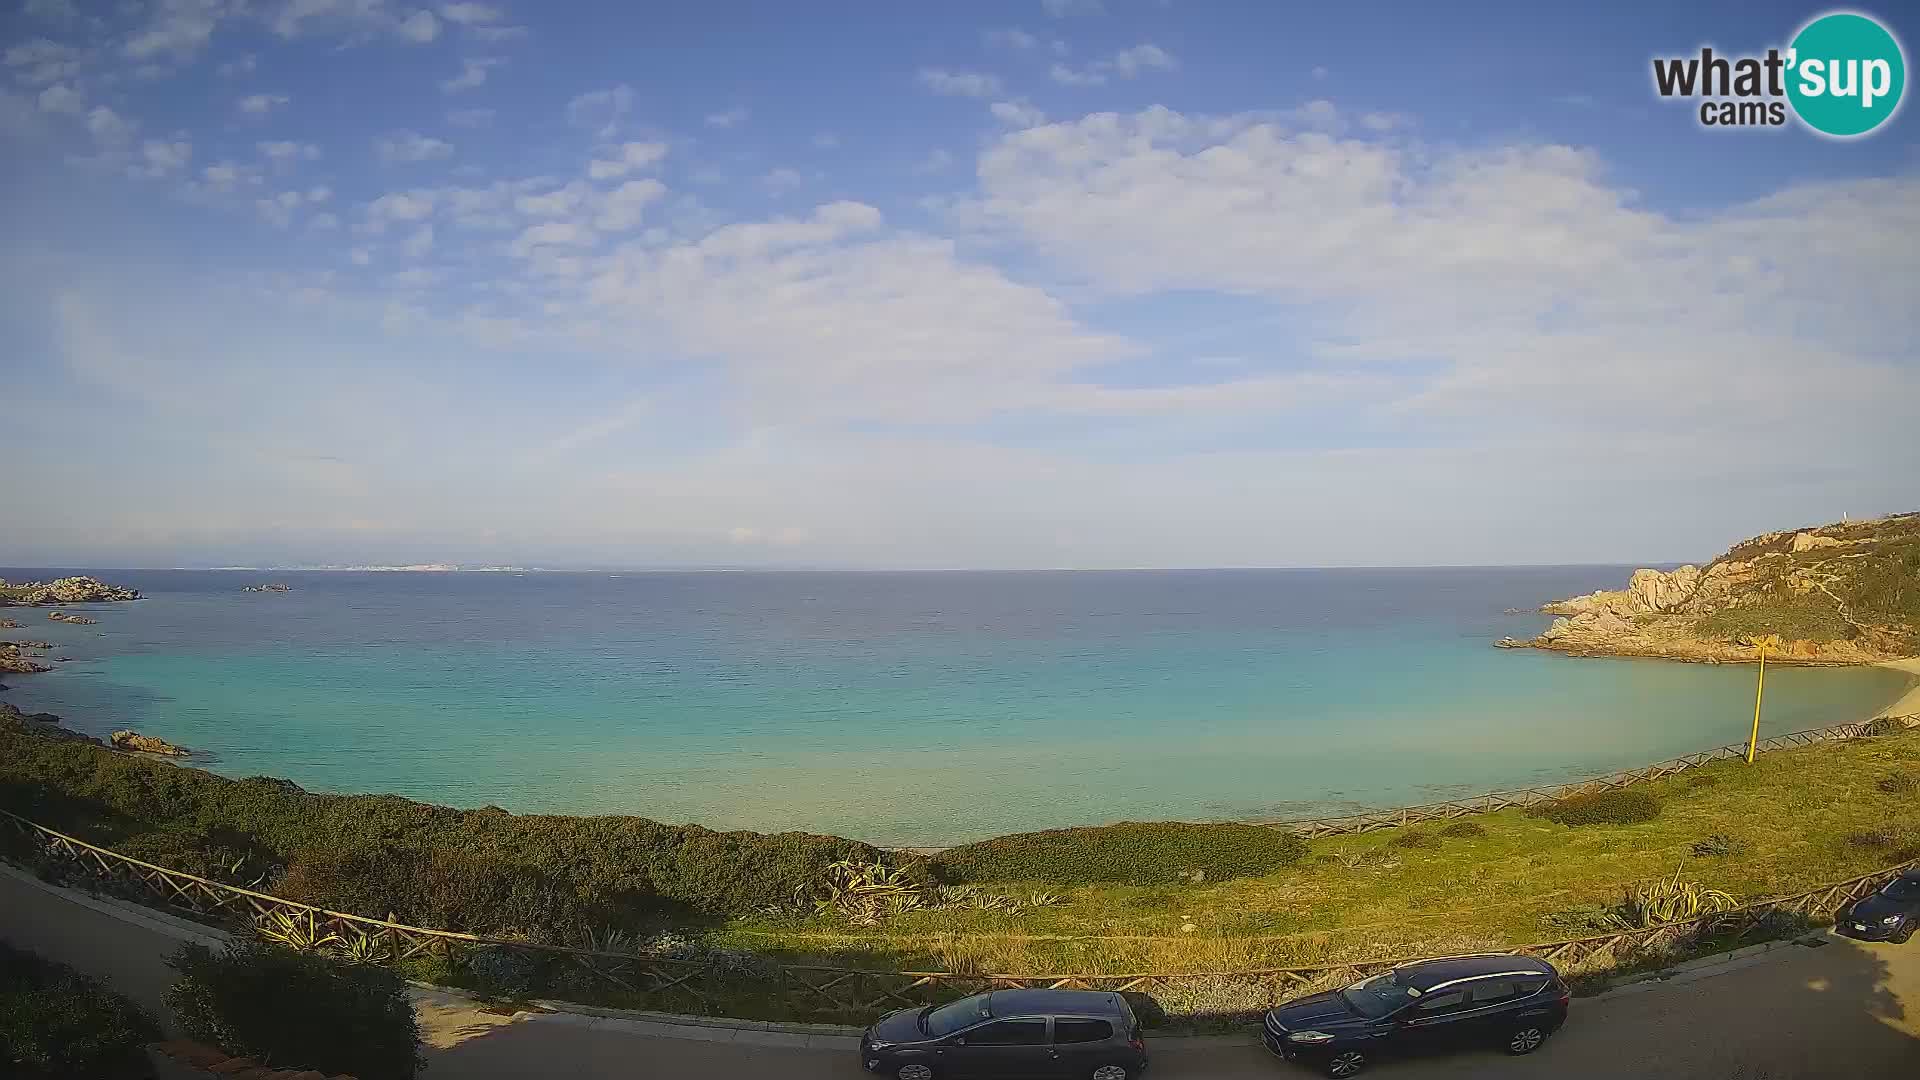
x=297, y=1011
x=1132, y=853
x=1463, y=829
x=1809, y=618
x=1669, y=900
x=1618, y=806
x=56, y=1024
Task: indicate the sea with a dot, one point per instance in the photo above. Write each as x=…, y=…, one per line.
x=908, y=709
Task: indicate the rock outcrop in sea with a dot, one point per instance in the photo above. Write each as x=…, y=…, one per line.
x=70, y=617
x=68, y=590
x=269, y=587
x=15, y=661
x=145, y=744
x=1838, y=594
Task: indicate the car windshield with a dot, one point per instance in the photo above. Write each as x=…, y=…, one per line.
x=950, y=1018
x=1903, y=888
x=1378, y=996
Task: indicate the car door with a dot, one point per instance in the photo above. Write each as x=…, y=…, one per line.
x=1428, y=1024
x=1488, y=1017
x=1013, y=1048
x=1080, y=1045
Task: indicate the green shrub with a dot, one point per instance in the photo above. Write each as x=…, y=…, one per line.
x=1898, y=784
x=478, y=870
x=57, y=1023
x=293, y=1011
x=1619, y=806
x=1464, y=830
x=1131, y=853
x=1414, y=838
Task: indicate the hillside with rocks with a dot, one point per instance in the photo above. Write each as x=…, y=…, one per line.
x=1844, y=593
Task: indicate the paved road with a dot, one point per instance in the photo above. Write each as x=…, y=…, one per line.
x=1840, y=1010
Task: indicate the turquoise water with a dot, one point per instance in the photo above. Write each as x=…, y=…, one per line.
x=915, y=709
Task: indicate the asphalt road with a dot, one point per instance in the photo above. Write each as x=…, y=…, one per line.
x=1844, y=1009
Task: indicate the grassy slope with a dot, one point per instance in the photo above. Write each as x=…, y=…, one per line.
x=1879, y=584
x=1526, y=880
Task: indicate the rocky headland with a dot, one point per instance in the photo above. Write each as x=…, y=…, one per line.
x=69, y=590
x=144, y=744
x=1843, y=593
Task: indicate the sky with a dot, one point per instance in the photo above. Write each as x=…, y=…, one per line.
x=1038, y=283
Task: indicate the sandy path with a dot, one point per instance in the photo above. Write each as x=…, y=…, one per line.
x=1909, y=703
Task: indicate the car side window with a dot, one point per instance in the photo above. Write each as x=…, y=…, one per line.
x=1070, y=1030
x=1009, y=1033
x=1440, y=1004
x=1490, y=991
x=1528, y=987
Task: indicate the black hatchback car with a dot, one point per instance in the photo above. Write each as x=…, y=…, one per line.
x=1025, y=1034
x=1891, y=914
x=1513, y=1002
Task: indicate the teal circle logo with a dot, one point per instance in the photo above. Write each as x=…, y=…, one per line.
x=1845, y=74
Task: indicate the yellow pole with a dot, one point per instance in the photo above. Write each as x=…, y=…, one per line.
x=1759, y=691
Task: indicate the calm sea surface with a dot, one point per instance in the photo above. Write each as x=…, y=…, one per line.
x=902, y=708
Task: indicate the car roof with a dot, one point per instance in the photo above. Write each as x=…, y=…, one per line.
x=1042, y=1002
x=1427, y=974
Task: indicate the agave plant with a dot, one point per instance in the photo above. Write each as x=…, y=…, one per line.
x=364, y=949
x=1670, y=900
x=301, y=934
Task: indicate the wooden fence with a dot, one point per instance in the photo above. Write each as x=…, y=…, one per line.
x=1370, y=820
x=740, y=985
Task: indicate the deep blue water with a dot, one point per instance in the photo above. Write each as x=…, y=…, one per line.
x=906, y=708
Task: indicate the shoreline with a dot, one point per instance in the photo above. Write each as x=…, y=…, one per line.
x=1907, y=704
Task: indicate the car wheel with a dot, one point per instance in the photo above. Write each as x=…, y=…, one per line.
x=1346, y=1063
x=913, y=1070
x=1525, y=1040
x=1112, y=1072
x=1900, y=938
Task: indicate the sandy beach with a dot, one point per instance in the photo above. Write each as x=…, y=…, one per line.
x=1909, y=702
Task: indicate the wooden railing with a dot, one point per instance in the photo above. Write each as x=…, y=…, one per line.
x=740, y=985
x=1368, y=821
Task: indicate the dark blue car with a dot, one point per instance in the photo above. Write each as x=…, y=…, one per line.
x=1888, y=915
x=1012, y=1034
x=1513, y=1002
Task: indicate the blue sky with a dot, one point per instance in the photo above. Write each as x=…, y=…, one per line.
x=1056, y=283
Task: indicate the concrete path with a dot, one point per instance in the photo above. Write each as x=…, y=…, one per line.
x=1843, y=1009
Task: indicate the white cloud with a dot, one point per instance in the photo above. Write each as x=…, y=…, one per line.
x=825, y=140
x=601, y=111
x=178, y=28
x=161, y=157
x=243, y=65
x=627, y=158
x=555, y=203
x=1384, y=121
x=61, y=98
x=359, y=256
x=550, y=235
x=226, y=176
x=1318, y=73
x=419, y=243
x=473, y=72
x=972, y=84
x=1012, y=38
x=108, y=127
x=286, y=152
x=408, y=146
x=1125, y=64
x=497, y=33
x=42, y=61
x=420, y=27
x=937, y=160
x=319, y=193
x=470, y=118
x=1018, y=114
x=1062, y=9
x=399, y=206
x=279, y=210
x=621, y=208
x=323, y=222
x=469, y=14
x=781, y=180
x=261, y=104
x=733, y=117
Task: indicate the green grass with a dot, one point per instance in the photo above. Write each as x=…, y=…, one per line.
x=1786, y=821
x=1131, y=853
